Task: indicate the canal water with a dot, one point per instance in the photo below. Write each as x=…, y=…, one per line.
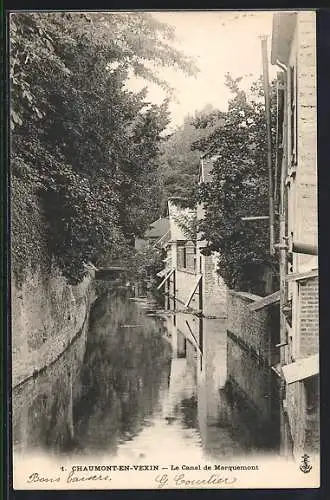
x=130, y=390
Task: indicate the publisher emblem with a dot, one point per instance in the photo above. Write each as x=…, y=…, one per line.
x=305, y=465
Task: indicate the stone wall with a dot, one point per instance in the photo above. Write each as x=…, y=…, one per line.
x=46, y=315
x=251, y=328
x=215, y=289
x=251, y=377
x=251, y=352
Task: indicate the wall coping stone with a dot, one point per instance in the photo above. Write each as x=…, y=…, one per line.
x=247, y=296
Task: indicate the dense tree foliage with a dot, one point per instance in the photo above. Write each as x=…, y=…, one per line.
x=239, y=186
x=180, y=164
x=87, y=142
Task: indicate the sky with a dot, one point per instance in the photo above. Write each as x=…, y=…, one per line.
x=220, y=42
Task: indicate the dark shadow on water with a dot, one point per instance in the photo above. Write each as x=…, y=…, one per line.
x=101, y=391
x=120, y=377
x=114, y=382
x=246, y=423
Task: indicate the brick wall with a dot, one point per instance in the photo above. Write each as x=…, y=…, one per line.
x=305, y=208
x=309, y=318
x=303, y=220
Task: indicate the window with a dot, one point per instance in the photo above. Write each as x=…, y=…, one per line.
x=182, y=256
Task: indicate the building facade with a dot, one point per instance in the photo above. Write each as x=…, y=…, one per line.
x=192, y=287
x=154, y=237
x=215, y=290
x=294, y=53
x=157, y=230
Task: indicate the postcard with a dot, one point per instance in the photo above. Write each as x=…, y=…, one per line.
x=164, y=255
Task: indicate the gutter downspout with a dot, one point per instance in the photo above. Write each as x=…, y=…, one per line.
x=283, y=248
x=283, y=265
x=277, y=147
x=269, y=142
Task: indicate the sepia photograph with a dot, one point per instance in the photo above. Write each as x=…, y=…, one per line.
x=164, y=250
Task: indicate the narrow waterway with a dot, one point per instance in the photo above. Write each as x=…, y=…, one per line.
x=133, y=389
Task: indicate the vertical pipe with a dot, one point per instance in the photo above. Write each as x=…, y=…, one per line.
x=277, y=146
x=200, y=306
x=174, y=293
x=284, y=354
x=283, y=226
x=269, y=142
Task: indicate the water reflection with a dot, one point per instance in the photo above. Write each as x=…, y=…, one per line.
x=231, y=422
x=135, y=382
x=121, y=376
x=42, y=407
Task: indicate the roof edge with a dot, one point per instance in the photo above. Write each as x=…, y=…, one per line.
x=284, y=24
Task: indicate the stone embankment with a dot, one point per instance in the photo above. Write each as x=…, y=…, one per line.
x=47, y=315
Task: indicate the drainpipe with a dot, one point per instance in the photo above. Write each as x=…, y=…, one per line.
x=283, y=264
x=277, y=147
x=269, y=142
x=283, y=245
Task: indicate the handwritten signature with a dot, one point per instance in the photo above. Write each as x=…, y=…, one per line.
x=162, y=480
x=72, y=477
x=181, y=480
